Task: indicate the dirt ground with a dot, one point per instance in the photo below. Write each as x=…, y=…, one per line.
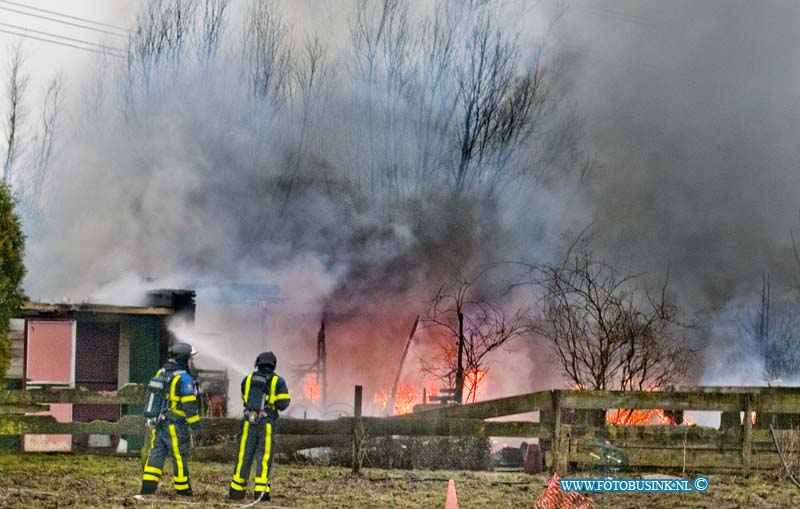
x=78, y=481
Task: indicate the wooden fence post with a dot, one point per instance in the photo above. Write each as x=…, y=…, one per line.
x=747, y=436
x=357, y=431
x=560, y=452
x=563, y=449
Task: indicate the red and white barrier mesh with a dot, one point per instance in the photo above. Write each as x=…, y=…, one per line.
x=554, y=498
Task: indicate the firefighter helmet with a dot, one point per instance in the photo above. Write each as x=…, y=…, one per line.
x=266, y=359
x=182, y=351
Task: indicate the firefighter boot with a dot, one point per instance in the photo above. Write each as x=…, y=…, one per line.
x=184, y=492
x=235, y=494
x=262, y=496
x=148, y=487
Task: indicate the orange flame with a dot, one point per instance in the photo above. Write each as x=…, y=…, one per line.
x=622, y=417
x=473, y=380
x=404, y=401
x=637, y=417
x=431, y=389
x=312, y=389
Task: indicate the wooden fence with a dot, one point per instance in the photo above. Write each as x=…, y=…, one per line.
x=738, y=445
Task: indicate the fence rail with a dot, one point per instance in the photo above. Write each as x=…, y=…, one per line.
x=741, y=446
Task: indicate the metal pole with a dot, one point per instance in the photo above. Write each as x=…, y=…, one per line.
x=459, y=395
x=356, y=430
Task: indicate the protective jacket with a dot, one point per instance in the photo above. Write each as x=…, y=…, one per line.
x=170, y=435
x=257, y=438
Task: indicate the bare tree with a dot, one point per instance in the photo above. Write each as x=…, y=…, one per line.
x=45, y=139
x=776, y=332
x=604, y=333
x=476, y=98
x=383, y=54
x=502, y=97
x=313, y=75
x=436, y=97
x=16, y=86
x=267, y=54
x=474, y=327
x=211, y=30
x=161, y=35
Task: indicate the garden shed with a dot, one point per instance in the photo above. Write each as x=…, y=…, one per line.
x=93, y=346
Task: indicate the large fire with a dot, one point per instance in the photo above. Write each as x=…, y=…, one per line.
x=311, y=388
x=407, y=396
x=404, y=401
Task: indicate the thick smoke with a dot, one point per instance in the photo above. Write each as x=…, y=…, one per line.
x=334, y=166
x=341, y=185
x=691, y=109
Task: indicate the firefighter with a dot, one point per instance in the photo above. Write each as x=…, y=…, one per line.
x=170, y=434
x=257, y=437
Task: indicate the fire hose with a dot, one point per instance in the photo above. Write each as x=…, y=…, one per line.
x=155, y=500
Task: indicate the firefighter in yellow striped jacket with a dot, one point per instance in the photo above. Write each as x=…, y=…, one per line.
x=170, y=434
x=264, y=394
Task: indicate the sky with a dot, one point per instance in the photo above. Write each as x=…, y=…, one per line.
x=46, y=58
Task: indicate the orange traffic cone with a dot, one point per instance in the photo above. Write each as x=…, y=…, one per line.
x=452, y=500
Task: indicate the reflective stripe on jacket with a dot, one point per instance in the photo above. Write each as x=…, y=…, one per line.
x=277, y=398
x=182, y=396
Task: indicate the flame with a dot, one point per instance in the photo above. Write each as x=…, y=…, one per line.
x=311, y=388
x=636, y=417
x=473, y=381
x=382, y=398
x=431, y=389
x=623, y=417
x=404, y=401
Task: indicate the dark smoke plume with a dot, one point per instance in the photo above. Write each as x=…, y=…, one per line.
x=358, y=172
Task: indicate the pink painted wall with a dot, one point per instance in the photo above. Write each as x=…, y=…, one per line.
x=50, y=359
x=50, y=352
x=51, y=443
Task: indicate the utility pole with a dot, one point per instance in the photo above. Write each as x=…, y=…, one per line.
x=460, y=368
x=322, y=364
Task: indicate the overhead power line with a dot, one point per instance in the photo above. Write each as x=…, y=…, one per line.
x=117, y=34
x=76, y=18
x=28, y=36
x=48, y=34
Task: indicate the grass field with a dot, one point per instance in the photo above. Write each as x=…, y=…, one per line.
x=78, y=481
